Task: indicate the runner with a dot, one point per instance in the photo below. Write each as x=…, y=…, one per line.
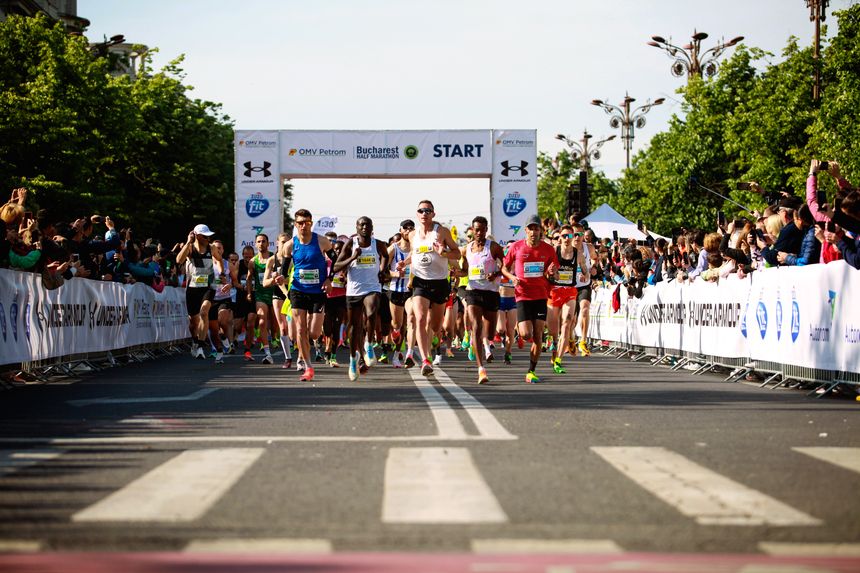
x=400, y=295
x=275, y=267
x=507, y=320
x=199, y=275
x=366, y=261
x=583, y=287
x=432, y=248
x=528, y=264
x=306, y=250
x=262, y=293
x=561, y=311
x=219, y=296
x=335, y=305
x=246, y=306
x=481, y=262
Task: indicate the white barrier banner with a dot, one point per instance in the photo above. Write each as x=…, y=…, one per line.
x=83, y=316
x=803, y=316
x=259, y=198
x=513, y=186
x=461, y=153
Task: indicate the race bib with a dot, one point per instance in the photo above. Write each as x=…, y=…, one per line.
x=423, y=249
x=565, y=277
x=260, y=276
x=337, y=281
x=366, y=261
x=533, y=269
x=309, y=276
x=476, y=273
x=201, y=280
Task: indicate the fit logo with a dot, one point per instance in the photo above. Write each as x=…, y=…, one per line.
x=250, y=168
x=521, y=168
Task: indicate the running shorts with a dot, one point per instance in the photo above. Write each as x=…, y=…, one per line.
x=436, y=291
x=486, y=299
x=314, y=303
x=531, y=310
x=560, y=296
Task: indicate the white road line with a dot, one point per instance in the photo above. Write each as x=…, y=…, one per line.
x=273, y=545
x=537, y=546
x=486, y=423
x=698, y=492
x=19, y=546
x=181, y=489
x=848, y=458
x=13, y=460
x=437, y=485
x=167, y=439
x=447, y=422
x=156, y=399
x=810, y=549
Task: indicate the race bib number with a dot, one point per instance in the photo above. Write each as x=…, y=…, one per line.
x=366, y=261
x=533, y=269
x=565, y=277
x=476, y=273
x=423, y=249
x=260, y=276
x=309, y=277
x=201, y=280
x=337, y=281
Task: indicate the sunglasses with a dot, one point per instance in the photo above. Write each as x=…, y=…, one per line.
x=579, y=234
x=304, y=222
x=425, y=210
x=408, y=228
x=567, y=236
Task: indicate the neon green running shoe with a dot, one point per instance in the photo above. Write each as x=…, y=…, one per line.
x=531, y=378
x=556, y=366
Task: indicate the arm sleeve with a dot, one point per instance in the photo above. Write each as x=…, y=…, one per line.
x=26, y=262
x=812, y=198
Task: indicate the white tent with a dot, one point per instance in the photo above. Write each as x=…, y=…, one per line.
x=605, y=219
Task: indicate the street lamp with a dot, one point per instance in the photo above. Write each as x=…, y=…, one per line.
x=817, y=14
x=577, y=194
x=579, y=151
x=626, y=119
x=690, y=59
x=100, y=49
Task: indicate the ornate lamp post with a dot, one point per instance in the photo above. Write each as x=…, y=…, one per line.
x=817, y=14
x=625, y=118
x=690, y=59
x=577, y=194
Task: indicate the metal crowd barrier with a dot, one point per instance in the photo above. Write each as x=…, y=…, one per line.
x=818, y=381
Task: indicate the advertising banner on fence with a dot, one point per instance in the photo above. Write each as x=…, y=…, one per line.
x=802, y=316
x=513, y=185
x=460, y=153
x=83, y=316
x=259, y=197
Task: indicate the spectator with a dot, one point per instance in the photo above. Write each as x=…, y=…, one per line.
x=810, y=249
x=790, y=237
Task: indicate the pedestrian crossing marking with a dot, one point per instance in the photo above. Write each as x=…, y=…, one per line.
x=697, y=492
x=437, y=485
x=847, y=458
x=12, y=461
x=152, y=400
x=269, y=545
x=782, y=549
x=19, y=546
x=181, y=489
x=539, y=546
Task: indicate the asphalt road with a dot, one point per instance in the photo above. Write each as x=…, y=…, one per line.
x=614, y=457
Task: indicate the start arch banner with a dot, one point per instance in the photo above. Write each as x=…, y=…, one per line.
x=265, y=158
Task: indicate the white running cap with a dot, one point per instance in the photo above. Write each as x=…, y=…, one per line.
x=202, y=229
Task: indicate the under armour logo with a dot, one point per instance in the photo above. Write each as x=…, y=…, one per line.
x=265, y=169
x=506, y=168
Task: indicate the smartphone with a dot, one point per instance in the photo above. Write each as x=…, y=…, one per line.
x=721, y=219
x=830, y=227
x=821, y=198
x=820, y=224
x=639, y=224
x=615, y=236
x=823, y=166
x=743, y=186
x=28, y=215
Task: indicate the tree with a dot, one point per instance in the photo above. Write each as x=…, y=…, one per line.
x=555, y=177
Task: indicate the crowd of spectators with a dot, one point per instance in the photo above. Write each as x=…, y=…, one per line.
x=89, y=247
x=791, y=231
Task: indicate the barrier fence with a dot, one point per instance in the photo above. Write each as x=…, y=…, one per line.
x=792, y=324
x=85, y=324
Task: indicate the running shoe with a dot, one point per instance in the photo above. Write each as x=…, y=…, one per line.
x=450, y=353
x=471, y=354
x=508, y=358
x=194, y=350
x=267, y=359
x=435, y=341
x=318, y=357
x=362, y=365
x=200, y=353
x=288, y=363
x=531, y=378
x=248, y=357
x=583, y=347
x=307, y=375
x=353, y=369
x=371, y=357
x=557, y=368
x=396, y=361
x=300, y=365
x=426, y=368
x=437, y=360
x=489, y=356
x=482, y=375
x=332, y=361
x=497, y=339
x=212, y=353
x=383, y=359
x=519, y=342
x=219, y=358
x=466, y=343
x=409, y=362
x=395, y=337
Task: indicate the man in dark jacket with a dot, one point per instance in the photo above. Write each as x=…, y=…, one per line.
x=790, y=238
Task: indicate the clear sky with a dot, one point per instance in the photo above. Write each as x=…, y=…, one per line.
x=442, y=64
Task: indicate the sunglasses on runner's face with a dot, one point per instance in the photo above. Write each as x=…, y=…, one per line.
x=579, y=234
x=303, y=222
x=567, y=236
x=425, y=210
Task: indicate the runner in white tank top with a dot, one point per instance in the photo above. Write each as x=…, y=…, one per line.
x=482, y=262
x=432, y=248
x=366, y=261
x=400, y=297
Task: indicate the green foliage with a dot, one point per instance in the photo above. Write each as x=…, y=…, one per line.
x=557, y=174
x=85, y=141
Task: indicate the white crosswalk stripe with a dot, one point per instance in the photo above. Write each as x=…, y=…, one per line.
x=848, y=458
x=698, y=492
x=12, y=461
x=437, y=485
x=182, y=489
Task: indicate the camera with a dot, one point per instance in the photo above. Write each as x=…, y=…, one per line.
x=823, y=166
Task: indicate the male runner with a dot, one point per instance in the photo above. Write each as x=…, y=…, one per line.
x=262, y=293
x=199, y=273
x=482, y=261
x=432, y=248
x=310, y=284
x=366, y=262
x=528, y=265
x=246, y=306
x=275, y=267
x=400, y=294
x=561, y=311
